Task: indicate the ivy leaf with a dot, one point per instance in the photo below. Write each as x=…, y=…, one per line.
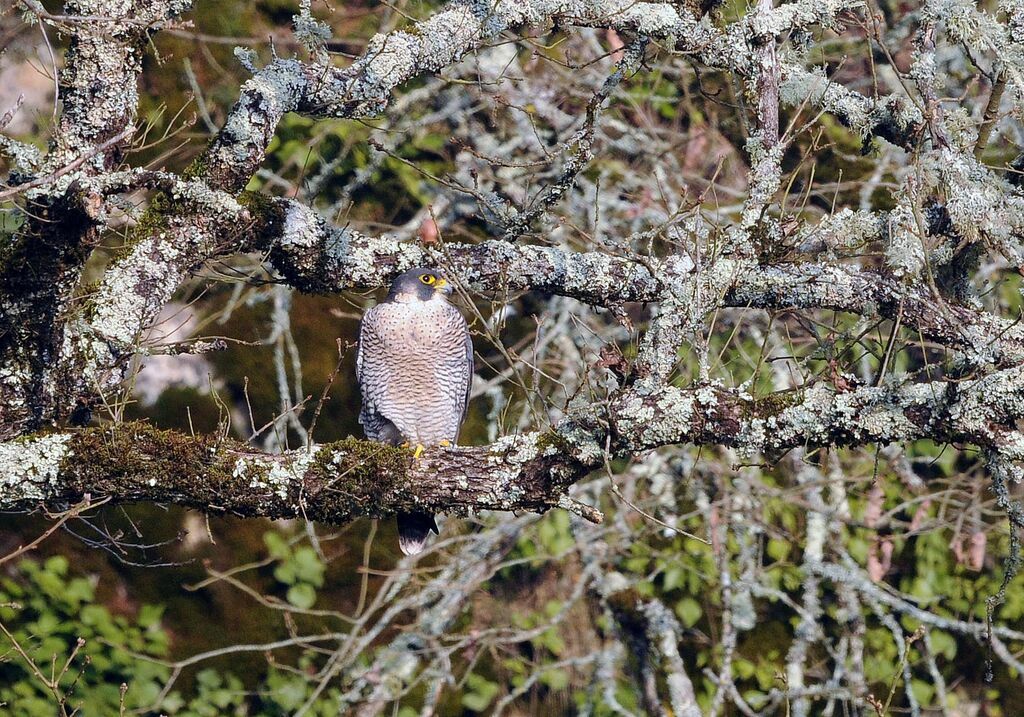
x=277, y=546
x=555, y=679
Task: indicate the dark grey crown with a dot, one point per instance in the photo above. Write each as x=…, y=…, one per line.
x=421, y=282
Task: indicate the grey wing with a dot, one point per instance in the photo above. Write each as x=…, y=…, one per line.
x=470, y=366
x=370, y=372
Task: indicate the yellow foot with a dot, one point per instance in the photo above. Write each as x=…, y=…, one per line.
x=418, y=452
x=445, y=443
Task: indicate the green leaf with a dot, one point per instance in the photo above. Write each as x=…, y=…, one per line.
x=480, y=693
x=58, y=565
x=674, y=577
x=552, y=607
x=689, y=611
x=552, y=641
x=943, y=644
x=208, y=679
x=286, y=573
x=287, y=692
x=172, y=703
x=79, y=591
x=308, y=566
x=432, y=142
x=744, y=668
x=636, y=565
x=302, y=595
x=923, y=691
x=555, y=679
x=778, y=549
x=277, y=546
x=149, y=615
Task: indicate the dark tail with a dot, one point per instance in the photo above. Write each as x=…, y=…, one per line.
x=413, y=531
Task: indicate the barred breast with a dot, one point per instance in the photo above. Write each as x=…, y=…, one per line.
x=415, y=366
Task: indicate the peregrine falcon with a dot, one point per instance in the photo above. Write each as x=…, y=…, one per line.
x=414, y=367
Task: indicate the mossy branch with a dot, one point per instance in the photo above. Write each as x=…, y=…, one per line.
x=333, y=482
x=338, y=481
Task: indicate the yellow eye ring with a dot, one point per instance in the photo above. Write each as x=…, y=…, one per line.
x=428, y=279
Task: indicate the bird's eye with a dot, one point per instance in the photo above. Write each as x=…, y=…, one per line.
x=428, y=279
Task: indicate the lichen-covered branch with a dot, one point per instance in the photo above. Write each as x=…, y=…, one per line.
x=336, y=482
x=314, y=256
x=332, y=482
x=39, y=272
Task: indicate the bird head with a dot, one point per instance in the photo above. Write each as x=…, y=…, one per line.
x=419, y=284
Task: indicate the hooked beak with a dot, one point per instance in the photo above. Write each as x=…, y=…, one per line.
x=444, y=287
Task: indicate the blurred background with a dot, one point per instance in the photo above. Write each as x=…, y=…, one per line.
x=523, y=614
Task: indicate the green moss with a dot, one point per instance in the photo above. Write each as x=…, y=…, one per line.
x=772, y=404
x=553, y=439
x=363, y=463
x=119, y=460
x=196, y=169
x=152, y=221
x=137, y=461
x=258, y=204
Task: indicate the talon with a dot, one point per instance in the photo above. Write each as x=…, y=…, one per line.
x=418, y=452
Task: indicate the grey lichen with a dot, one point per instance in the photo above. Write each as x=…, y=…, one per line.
x=981, y=205
x=905, y=247
x=844, y=230
x=29, y=468
x=893, y=117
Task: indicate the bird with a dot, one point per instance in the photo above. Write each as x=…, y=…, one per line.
x=414, y=366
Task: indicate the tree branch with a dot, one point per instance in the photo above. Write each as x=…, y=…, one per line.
x=316, y=257
x=334, y=482
x=339, y=481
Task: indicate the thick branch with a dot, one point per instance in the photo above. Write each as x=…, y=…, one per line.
x=983, y=337
x=339, y=481
x=99, y=95
x=982, y=412
x=316, y=257
x=333, y=482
